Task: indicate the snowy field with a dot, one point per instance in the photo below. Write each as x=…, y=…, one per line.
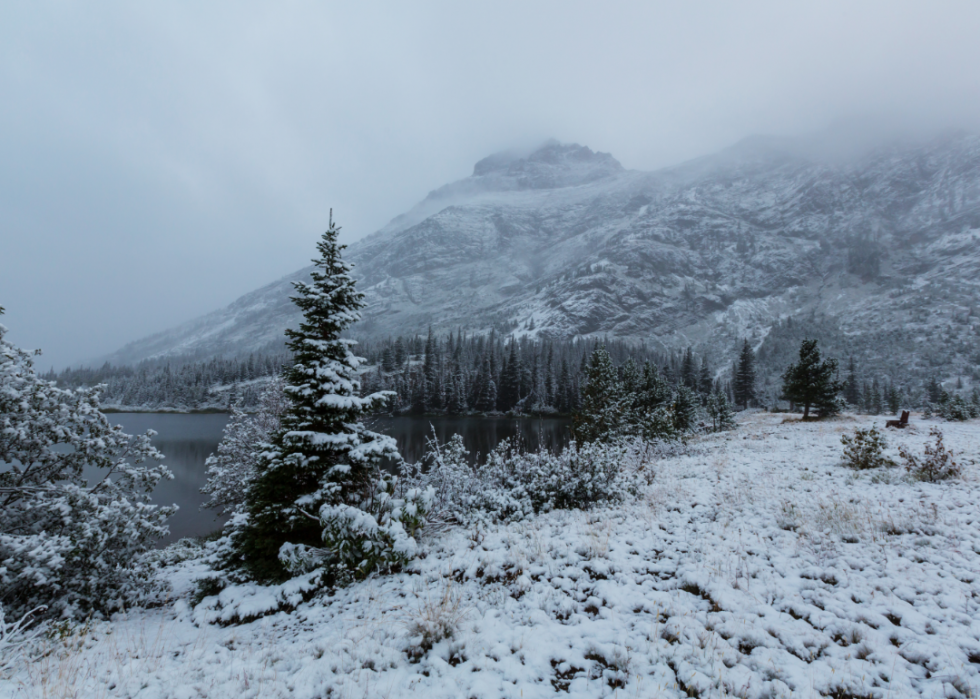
x=756, y=566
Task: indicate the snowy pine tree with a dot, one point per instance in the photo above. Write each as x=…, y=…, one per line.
x=630, y=377
x=744, y=383
x=510, y=381
x=720, y=411
x=705, y=381
x=852, y=388
x=812, y=383
x=321, y=475
x=877, y=402
x=689, y=372
x=894, y=399
x=604, y=405
x=652, y=407
x=685, y=409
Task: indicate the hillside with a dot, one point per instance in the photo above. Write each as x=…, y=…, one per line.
x=882, y=248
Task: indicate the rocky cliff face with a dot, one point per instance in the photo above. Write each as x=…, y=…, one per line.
x=563, y=241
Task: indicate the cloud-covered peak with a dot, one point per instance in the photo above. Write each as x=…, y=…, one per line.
x=551, y=165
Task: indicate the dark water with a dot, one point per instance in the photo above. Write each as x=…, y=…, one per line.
x=187, y=440
x=480, y=434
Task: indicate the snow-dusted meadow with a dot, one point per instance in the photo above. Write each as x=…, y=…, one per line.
x=756, y=565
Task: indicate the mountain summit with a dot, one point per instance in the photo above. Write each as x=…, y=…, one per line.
x=551, y=166
x=562, y=241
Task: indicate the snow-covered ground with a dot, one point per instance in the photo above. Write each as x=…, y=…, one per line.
x=756, y=566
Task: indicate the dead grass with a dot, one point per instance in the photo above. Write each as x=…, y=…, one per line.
x=436, y=614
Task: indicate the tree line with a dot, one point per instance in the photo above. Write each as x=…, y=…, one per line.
x=218, y=383
x=457, y=374
x=453, y=374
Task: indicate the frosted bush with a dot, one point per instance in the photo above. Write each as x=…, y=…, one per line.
x=936, y=465
x=232, y=468
x=956, y=408
x=865, y=449
x=75, y=510
x=378, y=536
x=511, y=484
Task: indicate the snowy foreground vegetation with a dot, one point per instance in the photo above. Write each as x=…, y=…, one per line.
x=749, y=563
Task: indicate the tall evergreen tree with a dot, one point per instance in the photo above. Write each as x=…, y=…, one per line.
x=432, y=375
x=510, y=381
x=689, y=371
x=894, y=399
x=685, y=409
x=867, y=401
x=400, y=353
x=811, y=382
x=456, y=399
x=744, y=384
x=550, y=383
x=852, y=388
x=565, y=389
x=322, y=455
x=485, y=388
x=534, y=382
x=631, y=377
x=652, y=409
x=603, y=403
x=877, y=404
x=655, y=391
x=705, y=382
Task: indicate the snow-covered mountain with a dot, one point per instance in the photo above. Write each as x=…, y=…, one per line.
x=563, y=241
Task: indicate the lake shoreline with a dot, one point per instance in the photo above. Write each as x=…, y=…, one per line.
x=187, y=440
x=219, y=411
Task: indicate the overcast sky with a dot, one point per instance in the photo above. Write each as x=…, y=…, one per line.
x=157, y=160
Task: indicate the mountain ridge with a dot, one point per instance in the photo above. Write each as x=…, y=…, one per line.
x=563, y=241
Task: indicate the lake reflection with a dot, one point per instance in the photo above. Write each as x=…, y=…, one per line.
x=187, y=440
x=480, y=434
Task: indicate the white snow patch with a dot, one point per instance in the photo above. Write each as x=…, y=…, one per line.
x=755, y=566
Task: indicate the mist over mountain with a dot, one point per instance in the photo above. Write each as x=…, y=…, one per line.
x=875, y=248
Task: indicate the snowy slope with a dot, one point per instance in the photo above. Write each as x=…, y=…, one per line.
x=756, y=566
x=888, y=242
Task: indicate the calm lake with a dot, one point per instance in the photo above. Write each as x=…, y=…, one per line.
x=187, y=440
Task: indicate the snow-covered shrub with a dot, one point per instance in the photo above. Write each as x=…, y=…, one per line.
x=380, y=535
x=75, y=510
x=955, y=408
x=511, y=485
x=450, y=477
x=232, y=468
x=15, y=636
x=865, y=449
x=936, y=465
x=246, y=601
